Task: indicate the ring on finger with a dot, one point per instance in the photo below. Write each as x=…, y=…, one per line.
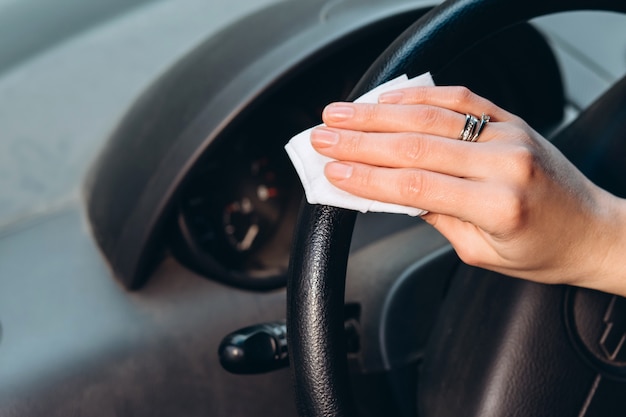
x=473, y=127
x=470, y=126
x=483, y=122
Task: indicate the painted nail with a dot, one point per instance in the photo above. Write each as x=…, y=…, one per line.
x=338, y=170
x=390, y=97
x=338, y=112
x=324, y=138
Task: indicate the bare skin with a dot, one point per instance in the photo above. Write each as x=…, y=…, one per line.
x=510, y=202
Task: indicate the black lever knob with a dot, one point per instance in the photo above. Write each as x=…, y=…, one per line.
x=255, y=349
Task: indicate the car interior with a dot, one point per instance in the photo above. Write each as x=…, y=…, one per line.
x=191, y=277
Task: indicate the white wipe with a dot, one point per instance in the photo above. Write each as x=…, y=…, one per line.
x=310, y=164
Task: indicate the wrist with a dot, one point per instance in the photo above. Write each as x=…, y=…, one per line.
x=606, y=270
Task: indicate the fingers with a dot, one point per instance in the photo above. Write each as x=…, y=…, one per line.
x=465, y=199
x=407, y=150
x=458, y=99
x=394, y=118
x=437, y=111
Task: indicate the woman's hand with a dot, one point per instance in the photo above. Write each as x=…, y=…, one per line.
x=510, y=202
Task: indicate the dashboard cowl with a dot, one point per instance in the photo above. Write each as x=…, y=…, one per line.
x=131, y=186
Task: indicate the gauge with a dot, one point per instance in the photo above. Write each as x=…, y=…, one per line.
x=237, y=210
x=235, y=218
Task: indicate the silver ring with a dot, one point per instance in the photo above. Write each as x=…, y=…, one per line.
x=483, y=122
x=468, y=132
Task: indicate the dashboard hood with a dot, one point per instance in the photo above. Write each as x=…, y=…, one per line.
x=132, y=184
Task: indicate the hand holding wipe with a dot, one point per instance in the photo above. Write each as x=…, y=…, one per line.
x=309, y=164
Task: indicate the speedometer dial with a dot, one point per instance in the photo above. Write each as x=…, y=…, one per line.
x=232, y=221
x=237, y=210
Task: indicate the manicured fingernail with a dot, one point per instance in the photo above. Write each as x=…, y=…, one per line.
x=390, y=97
x=338, y=112
x=324, y=138
x=338, y=170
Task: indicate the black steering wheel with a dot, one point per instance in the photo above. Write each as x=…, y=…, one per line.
x=501, y=347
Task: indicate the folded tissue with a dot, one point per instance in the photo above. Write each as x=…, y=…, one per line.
x=309, y=164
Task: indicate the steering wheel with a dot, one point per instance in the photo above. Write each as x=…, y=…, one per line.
x=500, y=346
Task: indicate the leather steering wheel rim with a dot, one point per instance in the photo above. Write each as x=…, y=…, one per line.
x=316, y=282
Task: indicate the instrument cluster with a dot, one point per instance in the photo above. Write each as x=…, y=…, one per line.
x=236, y=214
